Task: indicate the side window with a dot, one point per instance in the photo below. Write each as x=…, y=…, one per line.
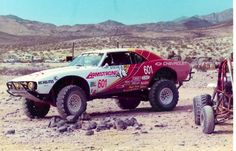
x=107, y=60
x=118, y=58
x=121, y=58
x=136, y=59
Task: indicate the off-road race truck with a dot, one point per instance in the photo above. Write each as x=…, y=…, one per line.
x=128, y=75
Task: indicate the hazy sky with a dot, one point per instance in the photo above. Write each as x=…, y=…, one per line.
x=70, y=12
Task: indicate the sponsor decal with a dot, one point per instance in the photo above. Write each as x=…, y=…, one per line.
x=120, y=86
x=145, y=77
x=102, y=83
x=169, y=63
x=144, y=82
x=132, y=87
x=127, y=82
x=123, y=71
x=135, y=82
x=46, y=82
x=158, y=63
x=137, y=78
x=93, y=84
x=101, y=74
x=114, y=67
x=143, y=86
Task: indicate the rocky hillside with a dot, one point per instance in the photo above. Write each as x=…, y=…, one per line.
x=209, y=35
x=12, y=26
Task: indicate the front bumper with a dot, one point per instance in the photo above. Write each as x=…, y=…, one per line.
x=189, y=76
x=26, y=94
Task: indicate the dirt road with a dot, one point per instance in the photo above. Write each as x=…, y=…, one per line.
x=174, y=130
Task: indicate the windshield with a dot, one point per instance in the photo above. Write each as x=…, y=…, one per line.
x=87, y=59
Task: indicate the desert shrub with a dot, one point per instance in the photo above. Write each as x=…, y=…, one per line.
x=20, y=71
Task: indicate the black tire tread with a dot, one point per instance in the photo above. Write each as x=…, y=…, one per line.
x=197, y=109
x=208, y=121
x=127, y=103
x=61, y=107
x=31, y=110
x=206, y=100
x=198, y=103
x=153, y=92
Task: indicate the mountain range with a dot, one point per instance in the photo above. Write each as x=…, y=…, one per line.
x=14, y=29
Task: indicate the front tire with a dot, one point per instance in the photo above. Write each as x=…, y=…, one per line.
x=71, y=100
x=163, y=95
x=207, y=119
x=198, y=103
x=128, y=103
x=35, y=109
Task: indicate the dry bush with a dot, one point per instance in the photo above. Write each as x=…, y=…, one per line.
x=19, y=71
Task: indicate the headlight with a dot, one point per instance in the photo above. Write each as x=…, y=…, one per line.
x=17, y=85
x=10, y=85
x=31, y=86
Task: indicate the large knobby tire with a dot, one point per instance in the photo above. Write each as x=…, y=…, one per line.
x=207, y=119
x=198, y=103
x=163, y=95
x=206, y=100
x=71, y=100
x=197, y=109
x=128, y=103
x=35, y=109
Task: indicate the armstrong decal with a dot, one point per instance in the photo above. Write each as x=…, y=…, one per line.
x=101, y=74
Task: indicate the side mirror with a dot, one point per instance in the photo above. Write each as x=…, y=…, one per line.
x=69, y=58
x=106, y=65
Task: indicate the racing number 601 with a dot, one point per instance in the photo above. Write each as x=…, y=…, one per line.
x=147, y=70
x=102, y=83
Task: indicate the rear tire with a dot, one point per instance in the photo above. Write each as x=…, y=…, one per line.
x=71, y=100
x=128, y=103
x=207, y=119
x=35, y=109
x=163, y=95
x=206, y=100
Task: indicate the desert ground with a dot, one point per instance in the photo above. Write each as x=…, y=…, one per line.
x=166, y=131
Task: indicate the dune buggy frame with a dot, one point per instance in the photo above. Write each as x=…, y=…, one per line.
x=208, y=110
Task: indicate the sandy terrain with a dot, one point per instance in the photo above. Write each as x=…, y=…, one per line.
x=167, y=131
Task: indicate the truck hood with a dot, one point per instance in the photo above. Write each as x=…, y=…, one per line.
x=55, y=74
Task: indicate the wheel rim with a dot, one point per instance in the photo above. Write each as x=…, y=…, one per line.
x=166, y=96
x=74, y=103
